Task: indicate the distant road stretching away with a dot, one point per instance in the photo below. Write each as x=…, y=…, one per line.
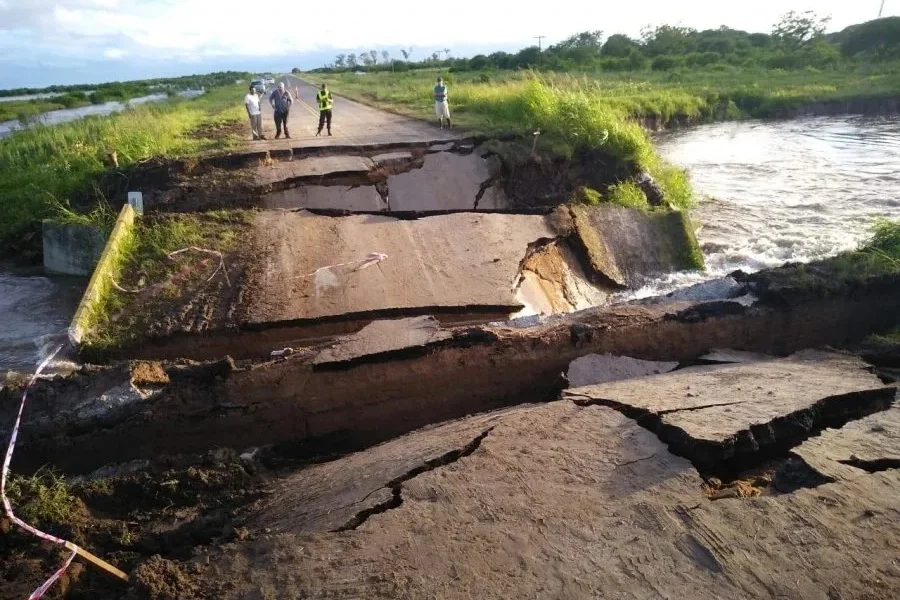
x=353, y=124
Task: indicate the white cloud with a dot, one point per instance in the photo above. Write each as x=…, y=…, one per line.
x=196, y=29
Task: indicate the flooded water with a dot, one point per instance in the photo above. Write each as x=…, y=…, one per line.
x=33, y=309
x=785, y=191
x=70, y=114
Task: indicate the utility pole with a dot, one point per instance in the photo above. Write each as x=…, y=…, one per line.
x=881, y=10
x=541, y=37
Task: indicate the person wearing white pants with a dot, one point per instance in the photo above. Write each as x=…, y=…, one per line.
x=251, y=103
x=441, y=105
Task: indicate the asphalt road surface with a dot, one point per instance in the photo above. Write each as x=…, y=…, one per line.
x=353, y=124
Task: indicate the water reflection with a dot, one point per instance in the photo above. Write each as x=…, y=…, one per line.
x=54, y=117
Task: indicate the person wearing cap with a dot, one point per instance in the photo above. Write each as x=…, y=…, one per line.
x=281, y=101
x=441, y=107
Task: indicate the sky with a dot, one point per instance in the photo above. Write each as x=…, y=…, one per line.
x=45, y=42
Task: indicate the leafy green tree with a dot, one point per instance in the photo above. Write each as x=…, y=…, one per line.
x=669, y=39
x=585, y=39
x=619, y=46
x=879, y=38
x=339, y=61
x=795, y=30
x=351, y=61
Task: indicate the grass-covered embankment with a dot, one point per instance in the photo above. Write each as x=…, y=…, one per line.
x=50, y=166
x=157, y=280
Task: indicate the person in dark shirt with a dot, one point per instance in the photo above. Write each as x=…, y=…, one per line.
x=281, y=101
x=441, y=105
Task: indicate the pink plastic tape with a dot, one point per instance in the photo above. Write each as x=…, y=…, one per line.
x=7, y=507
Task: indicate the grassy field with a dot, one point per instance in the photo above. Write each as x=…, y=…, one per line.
x=701, y=95
x=48, y=167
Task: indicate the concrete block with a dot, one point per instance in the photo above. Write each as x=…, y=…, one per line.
x=72, y=249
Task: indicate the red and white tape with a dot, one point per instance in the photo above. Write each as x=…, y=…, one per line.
x=38, y=593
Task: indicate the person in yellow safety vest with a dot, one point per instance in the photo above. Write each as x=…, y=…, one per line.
x=325, y=102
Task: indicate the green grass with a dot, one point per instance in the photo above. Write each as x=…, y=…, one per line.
x=144, y=262
x=43, y=498
x=694, y=94
x=48, y=166
x=884, y=247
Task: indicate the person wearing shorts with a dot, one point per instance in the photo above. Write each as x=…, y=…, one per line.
x=441, y=106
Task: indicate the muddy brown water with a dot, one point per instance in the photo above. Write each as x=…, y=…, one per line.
x=784, y=191
x=778, y=191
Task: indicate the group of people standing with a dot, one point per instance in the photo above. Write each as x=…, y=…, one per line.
x=281, y=100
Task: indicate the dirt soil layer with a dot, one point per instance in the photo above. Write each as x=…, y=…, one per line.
x=364, y=391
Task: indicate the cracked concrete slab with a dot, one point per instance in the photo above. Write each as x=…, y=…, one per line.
x=327, y=497
x=856, y=448
x=392, y=159
x=728, y=356
x=625, y=246
x=601, y=368
x=362, y=198
x=456, y=261
x=382, y=338
x=446, y=181
x=719, y=413
x=560, y=502
x=316, y=166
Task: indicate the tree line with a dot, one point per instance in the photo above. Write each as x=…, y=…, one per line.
x=797, y=40
x=117, y=90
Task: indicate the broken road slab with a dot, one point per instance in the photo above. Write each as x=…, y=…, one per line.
x=459, y=261
x=721, y=413
x=316, y=166
x=555, y=501
x=601, y=368
x=857, y=448
x=446, y=181
x=383, y=339
x=362, y=198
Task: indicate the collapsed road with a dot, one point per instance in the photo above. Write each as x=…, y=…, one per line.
x=468, y=415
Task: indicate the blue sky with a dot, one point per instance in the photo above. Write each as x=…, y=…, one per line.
x=43, y=42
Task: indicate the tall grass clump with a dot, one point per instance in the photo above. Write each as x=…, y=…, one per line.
x=884, y=246
x=47, y=166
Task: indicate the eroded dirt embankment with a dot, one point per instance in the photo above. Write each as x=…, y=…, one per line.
x=383, y=384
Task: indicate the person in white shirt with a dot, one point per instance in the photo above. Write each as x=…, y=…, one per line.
x=251, y=103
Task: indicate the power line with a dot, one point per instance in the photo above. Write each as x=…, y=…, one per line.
x=541, y=37
x=881, y=10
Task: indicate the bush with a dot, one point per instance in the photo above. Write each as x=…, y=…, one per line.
x=664, y=63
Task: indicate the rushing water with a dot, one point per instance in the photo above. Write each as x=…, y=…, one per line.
x=54, y=117
x=778, y=191
x=785, y=191
x=34, y=310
